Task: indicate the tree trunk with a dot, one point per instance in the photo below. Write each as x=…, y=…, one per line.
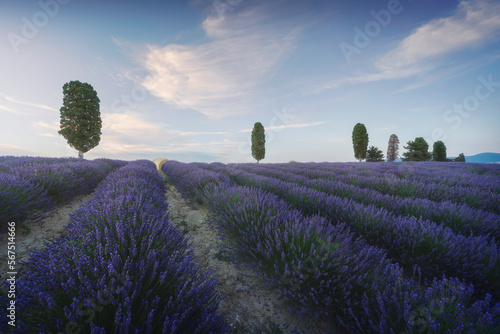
x=80, y=154
x=360, y=159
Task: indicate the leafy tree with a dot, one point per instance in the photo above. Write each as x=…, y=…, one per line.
x=359, y=141
x=439, y=151
x=418, y=150
x=374, y=154
x=460, y=158
x=393, y=148
x=258, y=142
x=80, y=117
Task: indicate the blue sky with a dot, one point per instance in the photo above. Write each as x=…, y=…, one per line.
x=186, y=80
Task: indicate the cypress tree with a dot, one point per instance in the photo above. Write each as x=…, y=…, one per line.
x=393, y=148
x=258, y=142
x=80, y=117
x=439, y=151
x=360, y=141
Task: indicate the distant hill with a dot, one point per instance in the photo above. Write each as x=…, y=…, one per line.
x=484, y=158
x=487, y=157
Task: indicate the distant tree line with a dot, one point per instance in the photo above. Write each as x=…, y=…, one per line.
x=418, y=150
x=81, y=126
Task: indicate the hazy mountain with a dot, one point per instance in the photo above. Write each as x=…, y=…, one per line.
x=487, y=157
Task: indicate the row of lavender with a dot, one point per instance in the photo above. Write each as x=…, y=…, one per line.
x=481, y=192
x=323, y=269
x=121, y=268
x=436, y=249
x=458, y=216
x=9, y=162
x=482, y=176
x=30, y=186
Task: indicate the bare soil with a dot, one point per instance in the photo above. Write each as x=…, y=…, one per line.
x=33, y=235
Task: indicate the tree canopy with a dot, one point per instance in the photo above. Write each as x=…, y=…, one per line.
x=460, y=158
x=439, y=151
x=374, y=154
x=393, y=148
x=258, y=142
x=418, y=150
x=80, y=116
x=360, y=141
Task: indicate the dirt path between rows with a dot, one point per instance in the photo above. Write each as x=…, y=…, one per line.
x=243, y=307
x=33, y=235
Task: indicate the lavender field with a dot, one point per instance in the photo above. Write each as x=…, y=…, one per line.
x=406, y=247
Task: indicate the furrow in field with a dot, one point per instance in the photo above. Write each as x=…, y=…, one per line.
x=247, y=307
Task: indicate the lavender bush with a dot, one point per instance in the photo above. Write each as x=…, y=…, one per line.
x=486, y=197
x=481, y=176
x=436, y=249
x=459, y=217
x=9, y=162
x=32, y=186
x=192, y=180
x=121, y=268
x=324, y=271
x=20, y=199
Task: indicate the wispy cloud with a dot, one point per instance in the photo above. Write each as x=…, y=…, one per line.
x=134, y=125
x=130, y=125
x=288, y=126
x=474, y=23
x=132, y=134
x=43, y=125
x=6, y=149
x=216, y=78
x=220, y=148
x=129, y=133
x=365, y=78
x=452, y=71
x=39, y=106
x=115, y=144
x=9, y=109
x=191, y=133
x=48, y=134
x=53, y=127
